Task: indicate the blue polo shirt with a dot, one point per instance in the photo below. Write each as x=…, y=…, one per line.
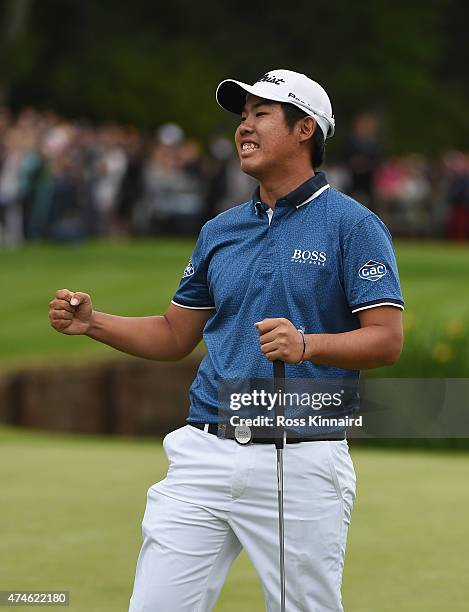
x=318, y=260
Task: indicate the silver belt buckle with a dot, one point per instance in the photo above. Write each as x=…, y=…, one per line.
x=242, y=434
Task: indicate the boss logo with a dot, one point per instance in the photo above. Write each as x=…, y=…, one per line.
x=317, y=258
x=372, y=271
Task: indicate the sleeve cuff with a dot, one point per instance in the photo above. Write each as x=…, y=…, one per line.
x=192, y=307
x=376, y=303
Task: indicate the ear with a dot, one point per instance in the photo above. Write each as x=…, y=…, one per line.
x=307, y=128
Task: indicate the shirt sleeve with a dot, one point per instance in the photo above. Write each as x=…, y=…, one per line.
x=193, y=291
x=370, y=272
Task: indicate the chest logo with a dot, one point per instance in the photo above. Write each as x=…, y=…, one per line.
x=316, y=258
x=189, y=270
x=372, y=271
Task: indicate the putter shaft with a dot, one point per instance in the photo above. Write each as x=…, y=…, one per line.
x=281, y=530
x=279, y=384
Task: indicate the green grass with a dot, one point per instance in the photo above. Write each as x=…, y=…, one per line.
x=139, y=278
x=435, y=280
x=124, y=278
x=71, y=508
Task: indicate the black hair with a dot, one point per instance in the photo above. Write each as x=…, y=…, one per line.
x=318, y=145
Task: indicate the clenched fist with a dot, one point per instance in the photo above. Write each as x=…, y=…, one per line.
x=279, y=339
x=71, y=312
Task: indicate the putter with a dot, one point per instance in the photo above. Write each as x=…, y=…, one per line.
x=279, y=385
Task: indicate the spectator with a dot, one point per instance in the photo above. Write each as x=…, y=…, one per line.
x=10, y=188
x=457, y=194
x=362, y=156
x=172, y=187
x=109, y=168
x=402, y=188
x=225, y=183
x=131, y=190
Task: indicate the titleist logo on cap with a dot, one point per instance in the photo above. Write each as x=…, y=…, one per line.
x=270, y=79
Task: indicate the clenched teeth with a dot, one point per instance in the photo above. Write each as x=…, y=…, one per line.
x=249, y=146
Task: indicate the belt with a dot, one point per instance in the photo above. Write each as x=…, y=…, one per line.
x=228, y=432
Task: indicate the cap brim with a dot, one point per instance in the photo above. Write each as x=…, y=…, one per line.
x=231, y=95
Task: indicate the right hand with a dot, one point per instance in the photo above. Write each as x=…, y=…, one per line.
x=71, y=312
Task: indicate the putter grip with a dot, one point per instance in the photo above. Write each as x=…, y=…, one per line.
x=279, y=369
x=279, y=385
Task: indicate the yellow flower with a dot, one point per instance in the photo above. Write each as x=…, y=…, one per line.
x=442, y=352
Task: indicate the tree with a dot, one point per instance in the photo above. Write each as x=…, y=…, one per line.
x=15, y=22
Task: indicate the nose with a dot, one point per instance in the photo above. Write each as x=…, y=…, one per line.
x=246, y=127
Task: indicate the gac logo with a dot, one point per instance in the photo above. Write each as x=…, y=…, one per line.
x=372, y=271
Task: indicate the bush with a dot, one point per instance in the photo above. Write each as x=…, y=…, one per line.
x=441, y=351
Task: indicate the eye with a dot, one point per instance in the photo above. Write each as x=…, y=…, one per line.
x=260, y=113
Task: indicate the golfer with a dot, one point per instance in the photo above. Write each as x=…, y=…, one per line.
x=303, y=274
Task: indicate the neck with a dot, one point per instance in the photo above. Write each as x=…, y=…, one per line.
x=275, y=188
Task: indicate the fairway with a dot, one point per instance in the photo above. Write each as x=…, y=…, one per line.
x=139, y=278
x=71, y=508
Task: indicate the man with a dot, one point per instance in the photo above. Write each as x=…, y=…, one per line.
x=298, y=256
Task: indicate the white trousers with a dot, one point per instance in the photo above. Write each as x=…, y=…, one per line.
x=219, y=497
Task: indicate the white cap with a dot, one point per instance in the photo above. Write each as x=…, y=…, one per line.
x=281, y=86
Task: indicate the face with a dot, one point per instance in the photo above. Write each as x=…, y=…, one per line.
x=263, y=140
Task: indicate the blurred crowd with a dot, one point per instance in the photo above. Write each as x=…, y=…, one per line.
x=416, y=197
x=71, y=180
x=66, y=180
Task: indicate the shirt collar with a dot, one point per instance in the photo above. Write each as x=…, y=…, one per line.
x=304, y=194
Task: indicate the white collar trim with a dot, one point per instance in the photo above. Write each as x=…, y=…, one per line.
x=315, y=195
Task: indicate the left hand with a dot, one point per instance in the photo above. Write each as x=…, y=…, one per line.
x=280, y=339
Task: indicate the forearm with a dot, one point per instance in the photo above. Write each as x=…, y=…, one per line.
x=146, y=337
x=369, y=347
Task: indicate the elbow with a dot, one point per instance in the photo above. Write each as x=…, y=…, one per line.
x=177, y=353
x=393, y=350
x=180, y=354
x=177, y=345
x=391, y=358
